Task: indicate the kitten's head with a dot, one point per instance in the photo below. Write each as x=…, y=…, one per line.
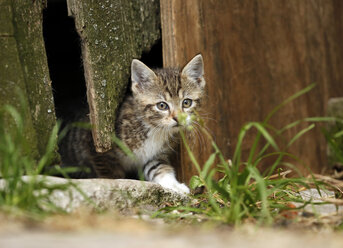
x=163, y=94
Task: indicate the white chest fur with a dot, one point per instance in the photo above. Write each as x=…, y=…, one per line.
x=155, y=143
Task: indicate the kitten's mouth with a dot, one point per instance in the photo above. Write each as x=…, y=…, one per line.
x=179, y=126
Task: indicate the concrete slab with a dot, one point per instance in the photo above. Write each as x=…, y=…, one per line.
x=120, y=194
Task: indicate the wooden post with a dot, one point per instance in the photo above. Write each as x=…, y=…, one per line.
x=256, y=54
x=112, y=34
x=23, y=64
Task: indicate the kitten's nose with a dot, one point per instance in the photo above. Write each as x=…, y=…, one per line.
x=174, y=116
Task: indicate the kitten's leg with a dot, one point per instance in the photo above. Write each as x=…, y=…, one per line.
x=106, y=166
x=163, y=174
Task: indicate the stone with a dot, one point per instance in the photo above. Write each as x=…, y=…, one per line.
x=119, y=194
x=335, y=107
x=318, y=205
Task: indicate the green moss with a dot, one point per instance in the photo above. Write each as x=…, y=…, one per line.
x=23, y=65
x=6, y=27
x=29, y=37
x=11, y=73
x=112, y=33
x=12, y=78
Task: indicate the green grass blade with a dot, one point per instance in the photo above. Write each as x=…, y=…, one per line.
x=338, y=134
x=51, y=146
x=262, y=189
x=190, y=153
x=288, y=100
x=123, y=147
x=244, y=130
x=15, y=115
x=208, y=165
x=300, y=133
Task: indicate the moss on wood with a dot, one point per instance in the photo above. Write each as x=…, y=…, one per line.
x=29, y=36
x=23, y=64
x=11, y=79
x=6, y=27
x=112, y=34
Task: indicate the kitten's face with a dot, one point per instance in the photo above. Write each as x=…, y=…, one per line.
x=164, y=94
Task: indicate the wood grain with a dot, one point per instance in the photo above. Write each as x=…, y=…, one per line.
x=256, y=54
x=112, y=33
x=23, y=66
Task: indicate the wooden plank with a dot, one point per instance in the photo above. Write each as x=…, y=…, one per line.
x=23, y=65
x=28, y=23
x=6, y=27
x=256, y=54
x=11, y=78
x=112, y=34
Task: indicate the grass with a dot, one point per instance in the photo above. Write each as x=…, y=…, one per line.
x=242, y=191
x=20, y=195
x=334, y=138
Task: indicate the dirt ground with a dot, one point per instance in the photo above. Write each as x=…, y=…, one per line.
x=111, y=230
x=314, y=226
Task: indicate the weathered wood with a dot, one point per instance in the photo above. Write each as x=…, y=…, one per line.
x=6, y=27
x=23, y=64
x=29, y=36
x=256, y=54
x=11, y=78
x=112, y=34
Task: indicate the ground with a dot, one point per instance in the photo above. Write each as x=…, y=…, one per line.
x=84, y=230
x=85, y=227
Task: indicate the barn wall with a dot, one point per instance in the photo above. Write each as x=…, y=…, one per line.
x=257, y=53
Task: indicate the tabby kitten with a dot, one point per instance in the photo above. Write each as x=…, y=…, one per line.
x=146, y=123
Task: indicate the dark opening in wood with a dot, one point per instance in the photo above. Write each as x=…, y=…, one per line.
x=153, y=58
x=64, y=60
x=63, y=48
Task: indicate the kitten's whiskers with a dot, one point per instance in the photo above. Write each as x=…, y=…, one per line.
x=197, y=132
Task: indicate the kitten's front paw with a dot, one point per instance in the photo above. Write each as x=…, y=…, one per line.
x=169, y=182
x=181, y=188
x=178, y=187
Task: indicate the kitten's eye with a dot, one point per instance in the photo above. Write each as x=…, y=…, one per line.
x=187, y=103
x=162, y=106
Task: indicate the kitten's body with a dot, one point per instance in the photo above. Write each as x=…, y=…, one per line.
x=146, y=123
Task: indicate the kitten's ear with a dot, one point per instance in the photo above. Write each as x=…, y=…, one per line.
x=141, y=75
x=194, y=70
